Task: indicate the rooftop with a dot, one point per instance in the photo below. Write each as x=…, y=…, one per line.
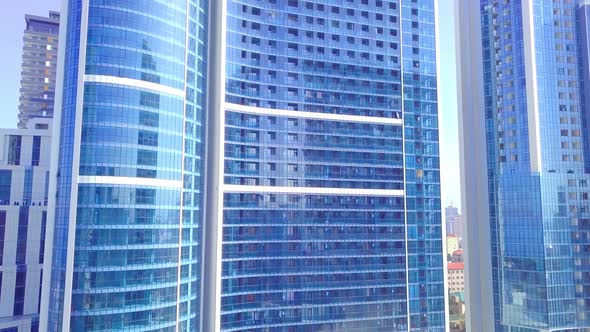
x=52, y=19
x=456, y=266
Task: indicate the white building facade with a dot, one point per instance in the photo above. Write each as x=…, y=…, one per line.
x=24, y=179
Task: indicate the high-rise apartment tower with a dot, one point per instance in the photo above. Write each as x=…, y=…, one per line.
x=318, y=154
x=37, y=92
x=523, y=80
x=329, y=207
x=127, y=169
x=24, y=195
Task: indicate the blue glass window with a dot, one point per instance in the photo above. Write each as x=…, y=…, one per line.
x=19, y=293
x=14, y=149
x=5, y=186
x=2, y=233
x=42, y=237
x=21, y=241
x=9, y=329
x=36, y=153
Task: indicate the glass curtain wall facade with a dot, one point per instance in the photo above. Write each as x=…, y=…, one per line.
x=329, y=211
x=331, y=189
x=537, y=155
x=128, y=188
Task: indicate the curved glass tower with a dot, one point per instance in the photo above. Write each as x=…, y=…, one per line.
x=127, y=233
x=331, y=191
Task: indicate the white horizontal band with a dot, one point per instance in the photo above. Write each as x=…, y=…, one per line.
x=121, y=180
x=133, y=83
x=235, y=188
x=312, y=115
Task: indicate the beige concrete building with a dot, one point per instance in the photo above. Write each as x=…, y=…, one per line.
x=456, y=277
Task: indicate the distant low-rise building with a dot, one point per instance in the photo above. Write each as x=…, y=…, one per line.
x=24, y=179
x=456, y=282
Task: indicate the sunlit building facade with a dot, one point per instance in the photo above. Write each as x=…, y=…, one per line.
x=24, y=184
x=331, y=215
x=524, y=75
x=308, y=130
x=127, y=169
x=456, y=278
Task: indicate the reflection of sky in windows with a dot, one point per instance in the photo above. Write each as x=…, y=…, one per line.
x=127, y=261
x=318, y=260
x=536, y=218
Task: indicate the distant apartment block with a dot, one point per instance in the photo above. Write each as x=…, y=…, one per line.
x=38, y=67
x=24, y=178
x=453, y=221
x=456, y=277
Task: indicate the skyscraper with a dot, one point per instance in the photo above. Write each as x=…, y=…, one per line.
x=523, y=80
x=37, y=90
x=453, y=221
x=127, y=168
x=320, y=155
x=329, y=210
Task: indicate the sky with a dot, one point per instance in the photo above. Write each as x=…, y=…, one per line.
x=447, y=94
x=13, y=24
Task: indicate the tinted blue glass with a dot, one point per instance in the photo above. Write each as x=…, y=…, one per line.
x=344, y=261
x=42, y=238
x=66, y=151
x=28, y=187
x=14, y=149
x=2, y=234
x=19, y=293
x=21, y=240
x=46, y=195
x=35, y=323
x=36, y=153
x=10, y=329
x=538, y=217
x=5, y=185
x=138, y=247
